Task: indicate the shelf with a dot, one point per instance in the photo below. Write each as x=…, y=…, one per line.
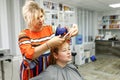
x=109, y=29
x=57, y=13
x=111, y=22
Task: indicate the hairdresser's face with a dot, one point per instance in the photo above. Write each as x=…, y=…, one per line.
x=64, y=53
x=39, y=21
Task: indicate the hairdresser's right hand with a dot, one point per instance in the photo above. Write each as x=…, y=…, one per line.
x=55, y=41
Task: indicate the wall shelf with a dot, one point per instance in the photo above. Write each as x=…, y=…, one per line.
x=57, y=13
x=110, y=22
x=110, y=29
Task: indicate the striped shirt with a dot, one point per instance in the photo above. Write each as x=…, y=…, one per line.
x=27, y=41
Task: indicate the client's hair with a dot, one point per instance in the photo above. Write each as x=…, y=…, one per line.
x=53, y=51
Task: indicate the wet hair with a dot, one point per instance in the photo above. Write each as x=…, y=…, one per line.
x=31, y=11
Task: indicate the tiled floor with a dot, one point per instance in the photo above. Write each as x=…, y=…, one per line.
x=107, y=67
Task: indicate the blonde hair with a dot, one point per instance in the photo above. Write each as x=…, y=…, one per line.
x=31, y=11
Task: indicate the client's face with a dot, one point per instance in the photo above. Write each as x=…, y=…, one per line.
x=64, y=53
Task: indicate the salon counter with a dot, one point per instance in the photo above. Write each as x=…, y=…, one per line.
x=107, y=46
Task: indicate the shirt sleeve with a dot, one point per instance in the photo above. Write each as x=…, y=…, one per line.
x=51, y=29
x=25, y=45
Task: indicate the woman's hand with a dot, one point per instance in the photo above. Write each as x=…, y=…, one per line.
x=55, y=41
x=72, y=31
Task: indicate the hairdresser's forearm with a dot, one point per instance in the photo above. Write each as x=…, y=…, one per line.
x=40, y=50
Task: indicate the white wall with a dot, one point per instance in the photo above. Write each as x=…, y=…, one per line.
x=11, y=23
x=87, y=21
x=4, y=25
x=114, y=12
x=95, y=24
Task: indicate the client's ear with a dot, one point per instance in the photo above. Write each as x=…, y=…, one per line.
x=55, y=55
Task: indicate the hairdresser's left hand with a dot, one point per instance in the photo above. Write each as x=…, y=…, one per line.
x=73, y=31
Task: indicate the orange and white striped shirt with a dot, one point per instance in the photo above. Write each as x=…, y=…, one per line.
x=27, y=41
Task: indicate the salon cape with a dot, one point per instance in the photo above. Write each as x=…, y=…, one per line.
x=55, y=72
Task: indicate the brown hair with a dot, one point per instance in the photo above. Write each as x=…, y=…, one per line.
x=53, y=51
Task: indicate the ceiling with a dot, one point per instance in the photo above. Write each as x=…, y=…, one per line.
x=97, y=5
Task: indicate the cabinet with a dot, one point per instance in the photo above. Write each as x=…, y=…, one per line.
x=107, y=47
x=102, y=47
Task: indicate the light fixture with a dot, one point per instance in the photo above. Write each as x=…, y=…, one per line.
x=117, y=5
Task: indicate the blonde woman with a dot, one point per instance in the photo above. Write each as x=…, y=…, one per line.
x=35, y=40
x=60, y=69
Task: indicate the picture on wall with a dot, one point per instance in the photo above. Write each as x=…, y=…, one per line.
x=50, y=5
x=54, y=16
x=58, y=13
x=61, y=7
x=47, y=4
